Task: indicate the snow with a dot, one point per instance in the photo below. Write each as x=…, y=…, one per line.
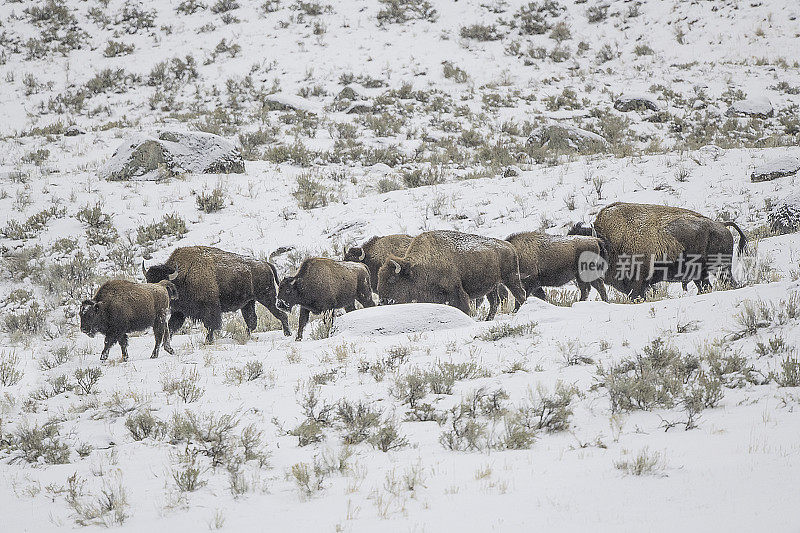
x=400, y=319
x=776, y=168
x=736, y=470
x=759, y=106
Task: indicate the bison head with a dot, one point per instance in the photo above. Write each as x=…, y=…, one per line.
x=157, y=273
x=90, y=317
x=288, y=293
x=580, y=228
x=356, y=253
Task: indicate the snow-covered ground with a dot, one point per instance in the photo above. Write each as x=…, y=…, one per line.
x=508, y=425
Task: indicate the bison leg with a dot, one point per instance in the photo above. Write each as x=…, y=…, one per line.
x=123, y=344
x=494, y=300
x=584, y=288
x=166, y=344
x=302, y=323
x=250, y=316
x=176, y=320
x=601, y=288
x=110, y=341
x=277, y=313
x=158, y=333
x=515, y=286
x=212, y=321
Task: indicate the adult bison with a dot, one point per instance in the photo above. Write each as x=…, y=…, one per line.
x=211, y=281
x=323, y=284
x=375, y=251
x=451, y=268
x=554, y=260
x=120, y=307
x=650, y=243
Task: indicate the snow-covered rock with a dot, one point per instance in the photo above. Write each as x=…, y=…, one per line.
x=286, y=101
x=150, y=157
x=636, y=102
x=776, y=168
x=564, y=136
x=759, y=106
x=399, y=319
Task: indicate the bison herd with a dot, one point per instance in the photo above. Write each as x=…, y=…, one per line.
x=445, y=267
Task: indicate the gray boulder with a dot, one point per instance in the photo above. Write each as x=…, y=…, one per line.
x=636, y=102
x=759, y=107
x=167, y=153
x=776, y=168
x=563, y=137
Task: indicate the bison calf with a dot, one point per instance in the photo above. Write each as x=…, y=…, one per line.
x=323, y=284
x=552, y=261
x=120, y=307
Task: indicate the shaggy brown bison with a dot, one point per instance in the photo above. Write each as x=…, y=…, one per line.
x=375, y=251
x=650, y=243
x=323, y=284
x=552, y=261
x=451, y=268
x=120, y=307
x=211, y=281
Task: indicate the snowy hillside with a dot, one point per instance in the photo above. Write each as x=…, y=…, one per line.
x=331, y=122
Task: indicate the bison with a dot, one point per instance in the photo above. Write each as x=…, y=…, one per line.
x=323, y=284
x=375, y=251
x=120, y=307
x=211, y=281
x=552, y=261
x=450, y=267
x=650, y=243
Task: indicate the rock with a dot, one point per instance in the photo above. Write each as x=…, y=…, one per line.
x=73, y=131
x=146, y=157
x=399, y=319
x=561, y=137
x=759, y=107
x=291, y=102
x=358, y=108
x=348, y=93
x=785, y=216
x=636, y=102
x=511, y=171
x=776, y=168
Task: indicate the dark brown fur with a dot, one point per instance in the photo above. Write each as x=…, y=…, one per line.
x=120, y=307
x=375, y=251
x=211, y=281
x=323, y=284
x=449, y=267
x=656, y=232
x=552, y=261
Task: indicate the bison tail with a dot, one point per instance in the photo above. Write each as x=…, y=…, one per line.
x=742, y=237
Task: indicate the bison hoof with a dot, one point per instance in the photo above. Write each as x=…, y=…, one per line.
x=298, y=339
x=287, y=333
x=169, y=350
x=154, y=356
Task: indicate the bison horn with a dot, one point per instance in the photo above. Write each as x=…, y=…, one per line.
x=362, y=256
x=172, y=276
x=396, y=266
x=144, y=270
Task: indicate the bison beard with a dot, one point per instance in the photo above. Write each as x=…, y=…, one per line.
x=211, y=281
